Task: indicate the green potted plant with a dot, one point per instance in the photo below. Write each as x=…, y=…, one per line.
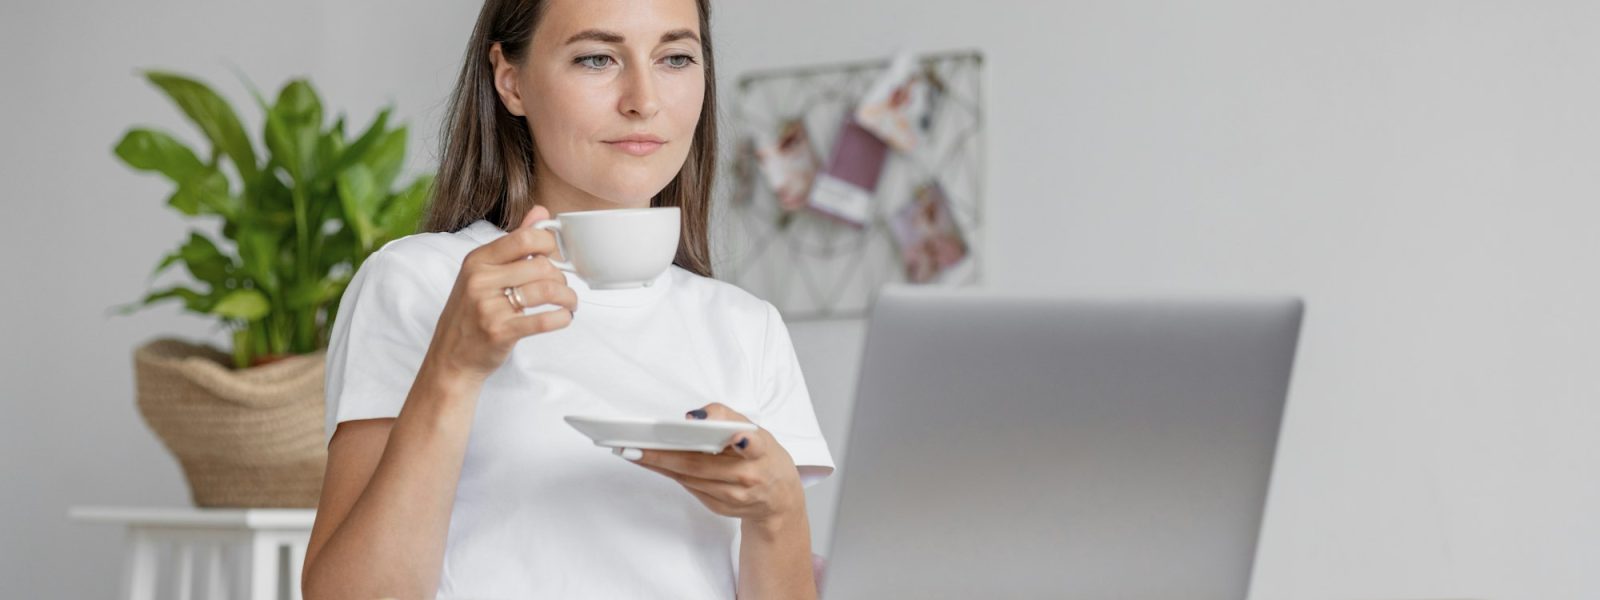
x=298, y=218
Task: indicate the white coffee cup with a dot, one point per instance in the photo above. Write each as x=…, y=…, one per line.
x=616, y=248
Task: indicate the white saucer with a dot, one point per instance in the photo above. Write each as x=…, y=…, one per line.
x=709, y=437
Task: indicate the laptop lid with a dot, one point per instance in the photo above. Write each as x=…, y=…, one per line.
x=1026, y=447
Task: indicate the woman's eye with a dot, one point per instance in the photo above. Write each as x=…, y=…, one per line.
x=596, y=62
x=587, y=61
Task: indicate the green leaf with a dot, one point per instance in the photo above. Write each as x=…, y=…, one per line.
x=403, y=213
x=353, y=153
x=274, y=199
x=255, y=93
x=340, y=247
x=150, y=150
x=192, y=300
x=248, y=304
x=330, y=145
x=359, y=197
x=204, y=261
x=385, y=159
x=170, y=259
x=293, y=127
x=298, y=101
x=213, y=115
x=259, y=250
x=205, y=194
x=307, y=294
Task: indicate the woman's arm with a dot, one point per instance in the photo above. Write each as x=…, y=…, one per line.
x=775, y=557
x=390, y=484
x=755, y=480
x=386, y=498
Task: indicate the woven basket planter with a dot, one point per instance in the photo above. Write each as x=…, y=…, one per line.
x=245, y=438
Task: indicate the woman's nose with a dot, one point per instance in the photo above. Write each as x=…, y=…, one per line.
x=639, y=94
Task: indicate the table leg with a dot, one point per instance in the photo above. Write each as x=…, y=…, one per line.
x=297, y=560
x=263, y=567
x=139, y=572
x=183, y=578
x=215, y=575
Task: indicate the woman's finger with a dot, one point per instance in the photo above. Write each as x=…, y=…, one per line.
x=743, y=444
x=692, y=483
x=681, y=478
x=526, y=325
x=493, y=278
x=727, y=493
x=716, y=411
x=748, y=445
x=545, y=291
x=516, y=245
x=712, y=502
x=719, y=497
x=715, y=467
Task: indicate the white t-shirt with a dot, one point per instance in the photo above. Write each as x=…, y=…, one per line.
x=540, y=511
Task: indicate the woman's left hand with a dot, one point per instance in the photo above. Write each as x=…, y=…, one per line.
x=753, y=479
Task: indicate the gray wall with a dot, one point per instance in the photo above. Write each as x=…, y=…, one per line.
x=1423, y=172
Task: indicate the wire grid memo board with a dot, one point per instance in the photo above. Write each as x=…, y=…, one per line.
x=818, y=268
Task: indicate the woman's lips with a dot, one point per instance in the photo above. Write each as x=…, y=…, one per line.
x=636, y=148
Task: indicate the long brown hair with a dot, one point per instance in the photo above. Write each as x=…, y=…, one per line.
x=487, y=153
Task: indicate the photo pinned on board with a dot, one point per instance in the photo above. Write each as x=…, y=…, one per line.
x=899, y=107
x=927, y=235
x=844, y=190
x=788, y=164
x=745, y=171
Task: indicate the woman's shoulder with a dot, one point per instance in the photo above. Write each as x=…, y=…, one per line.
x=431, y=248
x=429, y=253
x=430, y=260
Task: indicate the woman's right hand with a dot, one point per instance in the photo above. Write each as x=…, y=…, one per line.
x=479, y=326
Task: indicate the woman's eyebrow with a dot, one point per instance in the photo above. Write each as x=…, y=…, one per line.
x=616, y=38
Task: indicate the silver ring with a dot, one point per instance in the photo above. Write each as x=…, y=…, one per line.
x=514, y=296
x=516, y=293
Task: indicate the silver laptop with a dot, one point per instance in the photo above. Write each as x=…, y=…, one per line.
x=1075, y=448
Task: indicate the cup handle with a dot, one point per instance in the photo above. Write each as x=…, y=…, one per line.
x=554, y=226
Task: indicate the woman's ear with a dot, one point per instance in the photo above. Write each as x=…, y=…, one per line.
x=505, y=80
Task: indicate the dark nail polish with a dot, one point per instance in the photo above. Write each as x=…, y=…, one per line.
x=698, y=413
x=743, y=442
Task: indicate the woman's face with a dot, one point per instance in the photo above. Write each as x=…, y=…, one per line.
x=597, y=73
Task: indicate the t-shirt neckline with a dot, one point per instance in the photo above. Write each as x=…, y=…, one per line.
x=483, y=232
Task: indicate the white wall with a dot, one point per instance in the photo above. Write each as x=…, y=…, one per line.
x=83, y=232
x=1423, y=172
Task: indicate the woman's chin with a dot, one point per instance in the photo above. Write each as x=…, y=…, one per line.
x=632, y=196
x=622, y=199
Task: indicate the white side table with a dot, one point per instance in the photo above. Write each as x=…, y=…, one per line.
x=251, y=553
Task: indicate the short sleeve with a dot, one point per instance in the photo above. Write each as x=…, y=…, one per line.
x=786, y=410
x=382, y=330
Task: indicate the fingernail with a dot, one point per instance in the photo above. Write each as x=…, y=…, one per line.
x=698, y=413
x=632, y=454
x=743, y=442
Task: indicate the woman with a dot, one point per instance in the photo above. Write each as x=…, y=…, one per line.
x=450, y=470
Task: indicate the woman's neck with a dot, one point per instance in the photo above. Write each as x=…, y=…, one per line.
x=560, y=197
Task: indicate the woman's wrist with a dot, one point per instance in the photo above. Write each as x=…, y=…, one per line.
x=783, y=521
x=441, y=401
x=775, y=527
x=440, y=378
